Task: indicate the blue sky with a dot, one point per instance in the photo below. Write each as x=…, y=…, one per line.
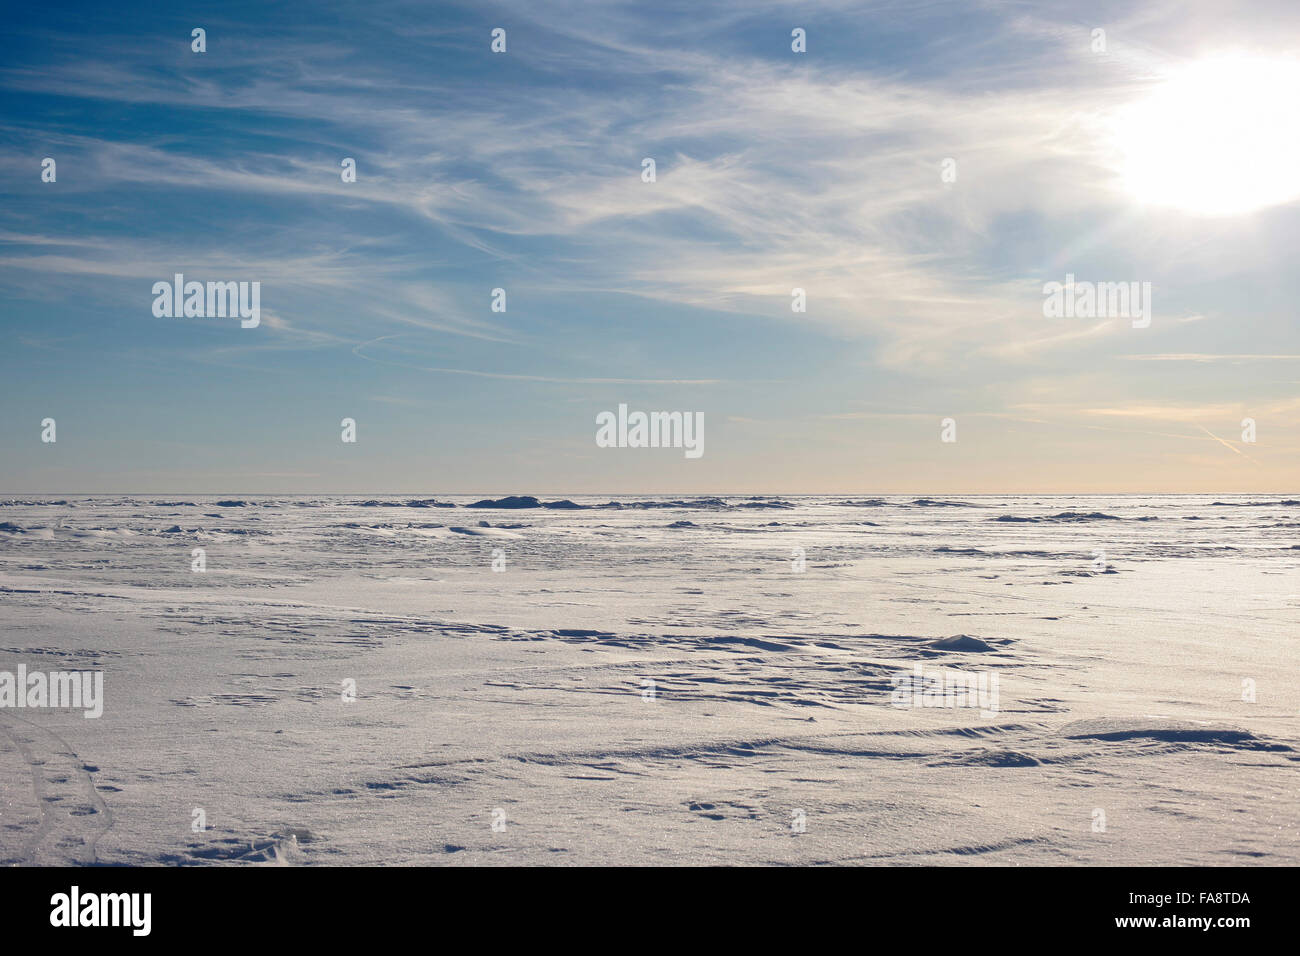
x=521, y=171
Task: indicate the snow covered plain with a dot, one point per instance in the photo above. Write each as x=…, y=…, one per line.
x=654, y=683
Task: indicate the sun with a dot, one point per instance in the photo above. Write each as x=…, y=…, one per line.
x=1219, y=137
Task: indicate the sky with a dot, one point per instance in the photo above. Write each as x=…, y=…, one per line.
x=921, y=171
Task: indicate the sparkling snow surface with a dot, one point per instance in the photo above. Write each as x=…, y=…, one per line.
x=653, y=685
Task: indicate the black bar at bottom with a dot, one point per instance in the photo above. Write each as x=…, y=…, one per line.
x=944, y=906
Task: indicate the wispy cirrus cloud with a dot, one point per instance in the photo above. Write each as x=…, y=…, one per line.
x=775, y=171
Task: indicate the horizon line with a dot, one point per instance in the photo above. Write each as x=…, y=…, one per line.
x=656, y=494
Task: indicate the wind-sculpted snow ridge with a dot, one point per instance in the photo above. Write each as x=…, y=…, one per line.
x=529, y=501
x=1165, y=730
x=1067, y=516
x=698, y=503
x=523, y=501
x=409, y=503
x=1286, y=503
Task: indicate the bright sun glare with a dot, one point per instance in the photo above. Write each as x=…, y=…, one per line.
x=1219, y=137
